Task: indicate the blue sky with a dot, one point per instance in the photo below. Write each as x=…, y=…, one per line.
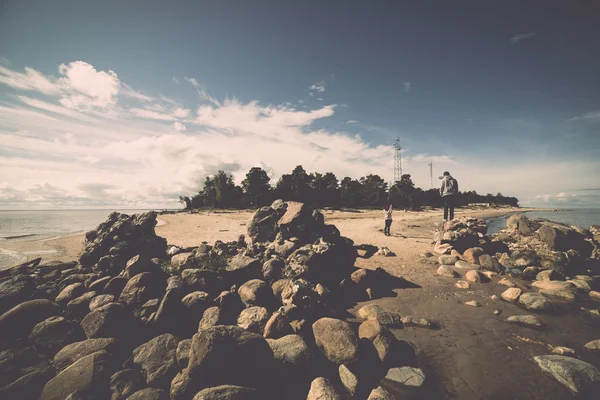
x=131, y=103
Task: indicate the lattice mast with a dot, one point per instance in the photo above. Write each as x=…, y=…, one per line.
x=431, y=173
x=397, y=160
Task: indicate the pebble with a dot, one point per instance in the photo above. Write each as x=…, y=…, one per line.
x=530, y=321
x=407, y=376
x=563, y=351
x=473, y=303
x=463, y=285
x=497, y=311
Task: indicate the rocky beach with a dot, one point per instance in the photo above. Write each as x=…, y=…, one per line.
x=290, y=302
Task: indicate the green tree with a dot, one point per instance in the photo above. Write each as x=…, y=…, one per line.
x=325, y=189
x=351, y=192
x=185, y=200
x=256, y=188
x=374, y=190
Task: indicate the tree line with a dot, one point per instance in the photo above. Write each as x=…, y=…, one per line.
x=324, y=190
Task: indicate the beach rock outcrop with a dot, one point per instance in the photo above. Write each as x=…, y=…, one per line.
x=576, y=375
x=157, y=358
x=20, y=320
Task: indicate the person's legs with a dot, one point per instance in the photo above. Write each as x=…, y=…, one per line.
x=446, y=208
x=389, y=227
x=451, y=205
x=388, y=223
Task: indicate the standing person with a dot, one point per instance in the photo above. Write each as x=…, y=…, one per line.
x=388, y=219
x=448, y=191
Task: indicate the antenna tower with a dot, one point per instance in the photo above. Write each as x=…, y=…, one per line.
x=397, y=160
x=431, y=173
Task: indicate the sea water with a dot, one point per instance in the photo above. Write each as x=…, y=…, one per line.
x=583, y=217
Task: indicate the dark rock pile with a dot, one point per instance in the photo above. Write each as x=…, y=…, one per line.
x=137, y=319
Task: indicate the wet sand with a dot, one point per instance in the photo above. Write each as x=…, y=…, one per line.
x=475, y=355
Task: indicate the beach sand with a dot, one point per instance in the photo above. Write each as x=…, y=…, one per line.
x=475, y=354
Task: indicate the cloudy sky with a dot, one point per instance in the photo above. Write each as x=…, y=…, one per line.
x=131, y=103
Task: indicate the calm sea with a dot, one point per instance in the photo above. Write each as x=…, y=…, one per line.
x=583, y=217
x=28, y=225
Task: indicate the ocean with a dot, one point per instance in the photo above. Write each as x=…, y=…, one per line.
x=32, y=225
x=583, y=217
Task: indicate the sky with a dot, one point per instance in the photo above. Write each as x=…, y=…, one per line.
x=132, y=103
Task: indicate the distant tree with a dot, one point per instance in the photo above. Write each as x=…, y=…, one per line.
x=325, y=189
x=351, y=192
x=185, y=200
x=256, y=188
x=374, y=190
x=301, y=185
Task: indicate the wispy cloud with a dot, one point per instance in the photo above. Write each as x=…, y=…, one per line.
x=590, y=115
x=521, y=36
x=319, y=87
x=192, y=81
x=352, y=121
x=179, y=127
x=176, y=80
x=406, y=85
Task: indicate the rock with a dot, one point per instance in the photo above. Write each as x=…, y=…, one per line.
x=445, y=270
x=157, y=358
x=141, y=263
x=212, y=317
x=531, y=272
x=489, y=274
x=101, y=300
x=407, y=376
x=535, y=302
x=18, y=321
x=549, y=275
x=126, y=382
x=336, y=340
x=497, y=312
x=386, y=317
x=74, y=351
x=474, y=276
x=183, y=353
x=182, y=261
x=473, y=303
x=271, y=269
x=593, y=345
x=511, y=294
x=300, y=221
x=263, y=226
x=254, y=319
x=529, y=321
x=141, y=288
x=16, y=362
x=183, y=387
x=490, y=263
x=580, y=285
x=30, y=384
x=242, y=268
x=507, y=282
x=463, y=285
x=230, y=355
x=465, y=265
x=170, y=317
x=448, y=260
x=561, y=350
x=15, y=291
x=293, y=359
x=594, y=295
x=576, y=375
x=419, y=322
x=444, y=248
x=563, y=290
x=227, y=392
x=69, y=293
x=277, y=326
x=112, y=320
x=149, y=394
x=522, y=224
x=380, y=393
x=256, y=293
x=80, y=306
x=88, y=375
x=322, y=389
x=201, y=279
x=349, y=379
x=472, y=255
x=54, y=333
x=115, y=286
x=370, y=329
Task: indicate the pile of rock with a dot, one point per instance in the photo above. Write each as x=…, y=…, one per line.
x=137, y=319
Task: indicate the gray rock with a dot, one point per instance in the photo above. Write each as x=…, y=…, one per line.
x=15, y=291
x=101, y=300
x=256, y=292
x=593, y=345
x=386, y=317
x=242, y=268
x=30, y=385
x=112, y=320
x=421, y=322
x=158, y=359
x=141, y=288
x=292, y=357
x=448, y=260
x=18, y=321
x=322, y=389
x=445, y=270
x=54, y=333
x=80, y=306
x=535, y=302
x=407, y=376
x=126, y=382
x=74, y=351
x=380, y=393
x=574, y=374
x=69, y=293
x=336, y=339
x=227, y=392
x=522, y=224
x=149, y=394
x=511, y=294
x=530, y=321
x=212, y=317
x=183, y=353
x=115, y=286
x=254, y=319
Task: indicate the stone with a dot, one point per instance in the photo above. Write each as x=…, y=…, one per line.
x=227, y=392
x=126, y=382
x=529, y=321
x=522, y=224
x=580, y=285
x=115, y=286
x=489, y=274
x=149, y=394
x=277, y=326
x=30, y=384
x=507, y=282
x=420, y=322
x=349, y=379
x=576, y=375
x=380, y=393
x=54, y=333
x=293, y=358
x=561, y=350
x=322, y=389
x=594, y=295
x=549, y=275
x=490, y=263
x=101, y=300
x=183, y=387
x=241, y=268
x=141, y=288
x=112, y=320
x=385, y=343
x=370, y=329
x=386, y=317
x=445, y=270
x=511, y=294
x=74, y=351
x=200, y=279
x=212, y=317
x=530, y=273
x=465, y=265
x=407, y=376
x=271, y=269
x=463, y=285
x=230, y=355
x=254, y=319
x=593, y=345
x=15, y=291
x=183, y=353
x=141, y=263
x=473, y=303
x=472, y=255
x=69, y=293
x=444, y=248
x=336, y=340
x=182, y=261
x=80, y=306
x=474, y=276
x=18, y=321
x=88, y=375
x=448, y=260
x=562, y=290
x=256, y=293
x=157, y=358
x=535, y=302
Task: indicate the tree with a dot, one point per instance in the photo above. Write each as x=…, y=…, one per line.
x=325, y=189
x=301, y=184
x=256, y=188
x=374, y=190
x=350, y=192
x=185, y=200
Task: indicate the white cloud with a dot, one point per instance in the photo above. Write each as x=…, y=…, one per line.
x=128, y=91
x=590, y=115
x=30, y=80
x=181, y=112
x=319, y=87
x=352, y=121
x=85, y=87
x=193, y=82
x=176, y=80
x=521, y=36
x=406, y=86
x=179, y=127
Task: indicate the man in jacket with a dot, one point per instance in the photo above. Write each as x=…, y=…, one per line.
x=448, y=191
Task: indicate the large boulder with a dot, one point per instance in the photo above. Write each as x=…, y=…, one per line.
x=149, y=394
x=141, y=288
x=18, y=321
x=115, y=286
x=242, y=268
x=69, y=293
x=74, y=351
x=535, y=301
x=560, y=289
x=158, y=359
x=293, y=359
x=563, y=238
x=576, y=375
x=14, y=363
x=522, y=224
x=80, y=306
x=322, y=389
x=300, y=221
x=230, y=355
x=141, y=263
x=30, y=385
x=227, y=392
x=126, y=382
x=253, y=319
x=113, y=320
x=263, y=226
x=54, y=333
x=336, y=339
x=15, y=290
x=89, y=375
x=256, y=292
